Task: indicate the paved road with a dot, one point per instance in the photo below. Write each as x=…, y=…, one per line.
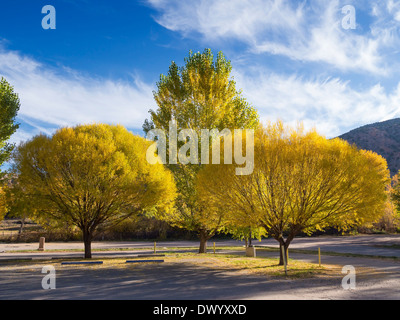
x=376, y=278
x=108, y=245
x=365, y=244
x=375, y=245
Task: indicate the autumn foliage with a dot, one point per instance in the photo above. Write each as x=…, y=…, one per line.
x=91, y=176
x=302, y=182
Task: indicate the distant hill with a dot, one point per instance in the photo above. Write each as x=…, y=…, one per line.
x=382, y=138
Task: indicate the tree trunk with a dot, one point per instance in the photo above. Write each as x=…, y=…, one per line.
x=21, y=228
x=285, y=246
x=87, y=241
x=203, y=234
x=250, y=236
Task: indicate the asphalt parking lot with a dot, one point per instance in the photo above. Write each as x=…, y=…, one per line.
x=176, y=281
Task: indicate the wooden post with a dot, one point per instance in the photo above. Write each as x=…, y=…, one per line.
x=284, y=259
x=319, y=256
x=214, y=247
x=41, y=243
x=155, y=247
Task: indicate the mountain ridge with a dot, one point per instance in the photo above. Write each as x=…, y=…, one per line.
x=380, y=137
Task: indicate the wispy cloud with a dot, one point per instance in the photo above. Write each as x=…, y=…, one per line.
x=329, y=104
x=305, y=31
x=52, y=98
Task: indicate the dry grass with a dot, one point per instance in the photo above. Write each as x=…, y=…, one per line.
x=232, y=264
x=229, y=263
x=256, y=266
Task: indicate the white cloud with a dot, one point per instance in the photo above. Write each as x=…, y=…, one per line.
x=330, y=105
x=50, y=99
x=242, y=19
x=305, y=31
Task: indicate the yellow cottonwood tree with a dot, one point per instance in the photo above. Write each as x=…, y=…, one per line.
x=301, y=182
x=90, y=176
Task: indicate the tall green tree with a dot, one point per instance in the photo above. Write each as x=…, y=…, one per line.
x=9, y=107
x=202, y=94
x=90, y=176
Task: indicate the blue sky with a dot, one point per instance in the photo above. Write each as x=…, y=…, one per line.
x=293, y=59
